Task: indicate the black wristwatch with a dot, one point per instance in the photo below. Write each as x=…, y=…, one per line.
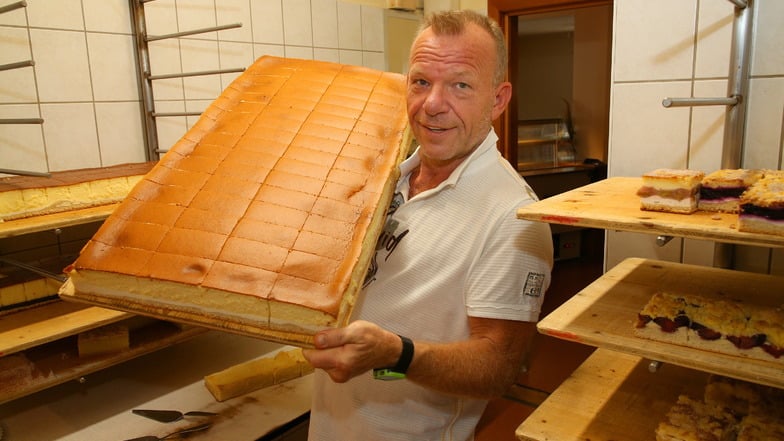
x=398, y=371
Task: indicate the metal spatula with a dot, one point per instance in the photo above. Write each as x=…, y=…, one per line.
x=169, y=416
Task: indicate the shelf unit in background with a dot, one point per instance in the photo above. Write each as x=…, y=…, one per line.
x=603, y=315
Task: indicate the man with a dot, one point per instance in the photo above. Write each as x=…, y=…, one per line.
x=452, y=298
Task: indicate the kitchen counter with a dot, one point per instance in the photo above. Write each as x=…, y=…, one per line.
x=99, y=407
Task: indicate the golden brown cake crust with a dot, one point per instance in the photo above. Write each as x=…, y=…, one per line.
x=768, y=192
x=731, y=178
x=262, y=211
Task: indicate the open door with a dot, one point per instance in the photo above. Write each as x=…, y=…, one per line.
x=589, y=103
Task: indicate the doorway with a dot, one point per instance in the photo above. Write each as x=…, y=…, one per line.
x=559, y=67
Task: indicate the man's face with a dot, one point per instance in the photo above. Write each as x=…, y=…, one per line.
x=451, y=98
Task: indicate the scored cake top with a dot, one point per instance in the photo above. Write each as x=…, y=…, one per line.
x=271, y=191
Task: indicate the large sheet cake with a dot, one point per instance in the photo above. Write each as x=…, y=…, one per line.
x=262, y=219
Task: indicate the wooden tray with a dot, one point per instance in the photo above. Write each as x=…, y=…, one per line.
x=58, y=362
x=51, y=321
x=56, y=220
x=613, y=204
x=603, y=314
x=611, y=396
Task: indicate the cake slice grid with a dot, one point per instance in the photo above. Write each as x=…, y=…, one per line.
x=266, y=196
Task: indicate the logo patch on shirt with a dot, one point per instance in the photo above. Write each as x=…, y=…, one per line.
x=533, y=284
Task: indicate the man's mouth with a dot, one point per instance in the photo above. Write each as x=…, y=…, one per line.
x=435, y=129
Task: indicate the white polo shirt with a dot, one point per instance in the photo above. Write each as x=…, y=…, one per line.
x=454, y=251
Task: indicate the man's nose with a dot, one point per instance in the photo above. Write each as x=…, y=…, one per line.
x=435, y=102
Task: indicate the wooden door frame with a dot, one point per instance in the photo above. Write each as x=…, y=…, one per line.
x=505, y=12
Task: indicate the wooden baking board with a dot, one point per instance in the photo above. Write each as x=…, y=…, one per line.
x=613, y=204
x=604, y=313
x=51, y=321
x=34, y=224
x=611, y=396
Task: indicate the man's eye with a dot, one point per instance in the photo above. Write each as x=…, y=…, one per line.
x=420, y=82
x=463, y=86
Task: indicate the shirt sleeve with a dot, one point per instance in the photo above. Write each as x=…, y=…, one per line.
x=509, y=278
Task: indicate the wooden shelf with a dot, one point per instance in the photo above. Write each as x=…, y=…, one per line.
x=613, y=204
x=57, y=220
x=611, y=396
x=604, y=313
x=51, y=321
x=58, y=361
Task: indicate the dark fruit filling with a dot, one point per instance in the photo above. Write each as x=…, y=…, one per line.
x=721, y=193
x=767, y=213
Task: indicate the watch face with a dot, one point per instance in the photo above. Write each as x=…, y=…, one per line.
x=387, y=374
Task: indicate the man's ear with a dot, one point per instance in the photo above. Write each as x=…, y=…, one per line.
x=503, y=93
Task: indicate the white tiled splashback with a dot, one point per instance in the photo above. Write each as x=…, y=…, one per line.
x=681, y=48
x=84, y=82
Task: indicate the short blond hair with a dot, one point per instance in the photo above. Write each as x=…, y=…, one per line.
x=455, y=22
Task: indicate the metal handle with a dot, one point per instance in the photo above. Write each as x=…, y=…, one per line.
x=686, y=102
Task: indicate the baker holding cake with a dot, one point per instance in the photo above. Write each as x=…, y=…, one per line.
x=457, y=283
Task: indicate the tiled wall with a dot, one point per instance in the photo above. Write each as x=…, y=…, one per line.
x=84, y=82
x=681, y=48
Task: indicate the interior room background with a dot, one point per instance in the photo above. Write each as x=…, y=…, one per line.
x=84, y=82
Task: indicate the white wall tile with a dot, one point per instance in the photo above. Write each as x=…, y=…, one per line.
x=707, y=127
x=763, y=135
x=22, y=146
x=297, y=29
x=107, y=16
x=698, y=252
x=17, y=17
x=234, y=55
x=16, y=85
x=194, y=15
x=372, y=26
x=714, y=39
x=644, y=135
x=374, y=60
x=349, y=26
x=70, y=134
x=160, y=17
x=267, y=19
x=353, y=58
x=235, y=11
x=653, y=40
x=61, y=65
x=165, y=59
x=170, y=129
x=112, y=67
x=301, y=52
x=325, y=23
x=332, y=55
x=768, y=50
x=268, y=49
x=55, y=14
x=120, y=133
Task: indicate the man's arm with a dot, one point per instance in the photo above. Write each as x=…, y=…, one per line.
x=483, y=366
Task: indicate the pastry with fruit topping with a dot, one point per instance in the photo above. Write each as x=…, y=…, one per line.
x=762, y=206
x=724, y=325
x=670, y=190
x=720, y=191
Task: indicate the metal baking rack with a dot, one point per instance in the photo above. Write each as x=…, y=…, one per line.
x=736, y=102
x=19, y=65
x=146, y=77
